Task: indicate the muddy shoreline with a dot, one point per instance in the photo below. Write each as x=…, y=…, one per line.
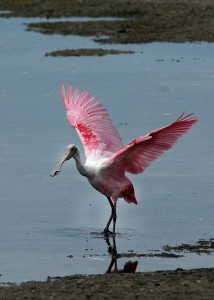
x=142, y=21
x=134, y=21
x=178, y=284
x=126, y=283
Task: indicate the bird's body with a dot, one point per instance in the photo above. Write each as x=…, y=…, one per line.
x=107, y=160
x=104, y=180
x=111, y=185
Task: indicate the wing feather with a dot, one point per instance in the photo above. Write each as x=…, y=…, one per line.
x=91, y=121
x=139, y=153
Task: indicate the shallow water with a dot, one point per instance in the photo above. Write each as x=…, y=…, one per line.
x=45, y=223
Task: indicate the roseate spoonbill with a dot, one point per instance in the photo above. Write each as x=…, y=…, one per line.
x=107, y=160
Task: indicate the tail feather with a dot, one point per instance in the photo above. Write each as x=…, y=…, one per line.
x=129, y=195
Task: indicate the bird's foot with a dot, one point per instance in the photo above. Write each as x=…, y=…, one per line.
x=111, y=248
x=107, y=233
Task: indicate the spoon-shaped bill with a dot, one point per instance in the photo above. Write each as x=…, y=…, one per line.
x=58, y=167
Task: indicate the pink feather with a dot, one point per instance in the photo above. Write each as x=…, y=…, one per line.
x=92, y=123
x=139, y=153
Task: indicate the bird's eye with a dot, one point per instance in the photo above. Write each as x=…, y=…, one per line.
x=73, y=150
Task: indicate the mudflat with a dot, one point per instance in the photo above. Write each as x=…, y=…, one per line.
x=141, y=20
x=178, y=284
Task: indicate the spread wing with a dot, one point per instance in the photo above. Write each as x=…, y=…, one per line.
x=92, y=123
x=139, y=153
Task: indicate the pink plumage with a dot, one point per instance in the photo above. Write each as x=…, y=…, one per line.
x=91, y=121
x=139, y=153
x=107, y=160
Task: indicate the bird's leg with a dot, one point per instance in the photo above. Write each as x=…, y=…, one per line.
x=113, y=263
x=106, y=230
x=111, y=248
x=114, y=220
x=114, y=248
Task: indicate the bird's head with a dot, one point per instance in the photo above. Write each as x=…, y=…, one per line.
x=68, y=154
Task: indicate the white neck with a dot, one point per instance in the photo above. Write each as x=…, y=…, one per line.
x=80, y=167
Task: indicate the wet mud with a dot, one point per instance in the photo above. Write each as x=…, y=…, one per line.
x=139, y=21
x=178, y=284
x=201, y=247
x=86, y=52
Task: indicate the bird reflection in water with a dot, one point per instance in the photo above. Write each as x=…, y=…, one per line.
x=129, y=267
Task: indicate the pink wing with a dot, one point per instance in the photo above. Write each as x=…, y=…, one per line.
x=91, y=121
x=139, y=153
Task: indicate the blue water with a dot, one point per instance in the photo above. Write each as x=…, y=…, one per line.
x=45, y=220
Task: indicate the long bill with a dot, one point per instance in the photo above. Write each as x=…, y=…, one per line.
x=58, y=167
